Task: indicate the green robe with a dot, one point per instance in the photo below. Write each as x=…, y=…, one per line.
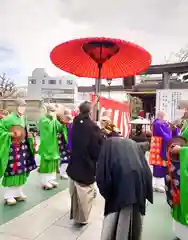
x=48, y=149
x=184, y=130
x=180, y=212
x=5, y=142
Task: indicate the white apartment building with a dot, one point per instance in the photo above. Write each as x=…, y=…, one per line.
x=43, y=87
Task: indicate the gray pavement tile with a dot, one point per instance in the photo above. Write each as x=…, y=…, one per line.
x=96, y=214
x=39, y=218
x=36, y=223
x=59, y=233
x=65, y=221
x=93, y=232
x=9, y=237
x=52, y=214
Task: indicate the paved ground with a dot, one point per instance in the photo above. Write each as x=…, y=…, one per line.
x=35, y=196
x=45, y=216
x=50, y=220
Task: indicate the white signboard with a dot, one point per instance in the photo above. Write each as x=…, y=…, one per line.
x=83, y=96
x=168, y=100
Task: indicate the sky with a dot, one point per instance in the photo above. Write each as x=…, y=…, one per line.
x=30, y=29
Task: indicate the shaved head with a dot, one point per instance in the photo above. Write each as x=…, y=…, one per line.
x=161, y=115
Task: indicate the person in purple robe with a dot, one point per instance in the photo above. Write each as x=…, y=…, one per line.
x=162, y=134
x=176, y=127
x=176, y=132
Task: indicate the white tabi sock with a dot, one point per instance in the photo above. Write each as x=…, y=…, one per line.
x=52, y=176
x=44, y=178
x=20, y=192
x=63, y=169
x=10, y=192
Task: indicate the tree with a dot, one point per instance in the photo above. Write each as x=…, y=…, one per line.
x=7, y=87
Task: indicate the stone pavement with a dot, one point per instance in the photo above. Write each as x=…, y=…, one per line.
x=50, y=220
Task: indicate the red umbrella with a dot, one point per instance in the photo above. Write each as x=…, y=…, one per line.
x=100, y=58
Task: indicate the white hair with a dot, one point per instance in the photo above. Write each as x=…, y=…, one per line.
x=160, y=114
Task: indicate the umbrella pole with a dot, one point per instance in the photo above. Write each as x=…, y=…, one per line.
x=97, y=92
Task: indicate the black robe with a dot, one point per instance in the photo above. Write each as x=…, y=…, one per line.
x=123, y=175
x=86, y=142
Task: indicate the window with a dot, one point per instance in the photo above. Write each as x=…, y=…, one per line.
x=52, y=81
x=69, y=82
x=60, y=82
x=32, y=81
x=59, y=91
x=65, y=100
x=43, y=81
x=68, y=91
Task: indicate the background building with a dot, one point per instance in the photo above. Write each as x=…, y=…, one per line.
x=22, y=91
x=116, y=92
x=62, y=90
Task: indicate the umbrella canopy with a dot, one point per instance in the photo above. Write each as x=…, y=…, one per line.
x=115, y=58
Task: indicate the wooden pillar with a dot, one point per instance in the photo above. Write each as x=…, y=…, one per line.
x=166, y=80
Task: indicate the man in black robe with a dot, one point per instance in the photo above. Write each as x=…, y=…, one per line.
x=86, y=141
x=125, y=181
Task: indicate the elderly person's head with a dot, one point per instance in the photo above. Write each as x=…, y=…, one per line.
x=105, y=118
x=160, y=115
x=20, y=105
x=51, y=110
x=67, y=116
x=64, y=115
x=59, y=110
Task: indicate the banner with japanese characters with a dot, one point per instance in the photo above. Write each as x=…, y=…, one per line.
x=167, y=100
x=119, y=113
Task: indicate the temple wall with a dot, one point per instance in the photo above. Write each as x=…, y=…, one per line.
x=32, y=110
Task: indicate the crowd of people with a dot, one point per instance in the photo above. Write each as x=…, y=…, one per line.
x=91, y=154
x=168, y=155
